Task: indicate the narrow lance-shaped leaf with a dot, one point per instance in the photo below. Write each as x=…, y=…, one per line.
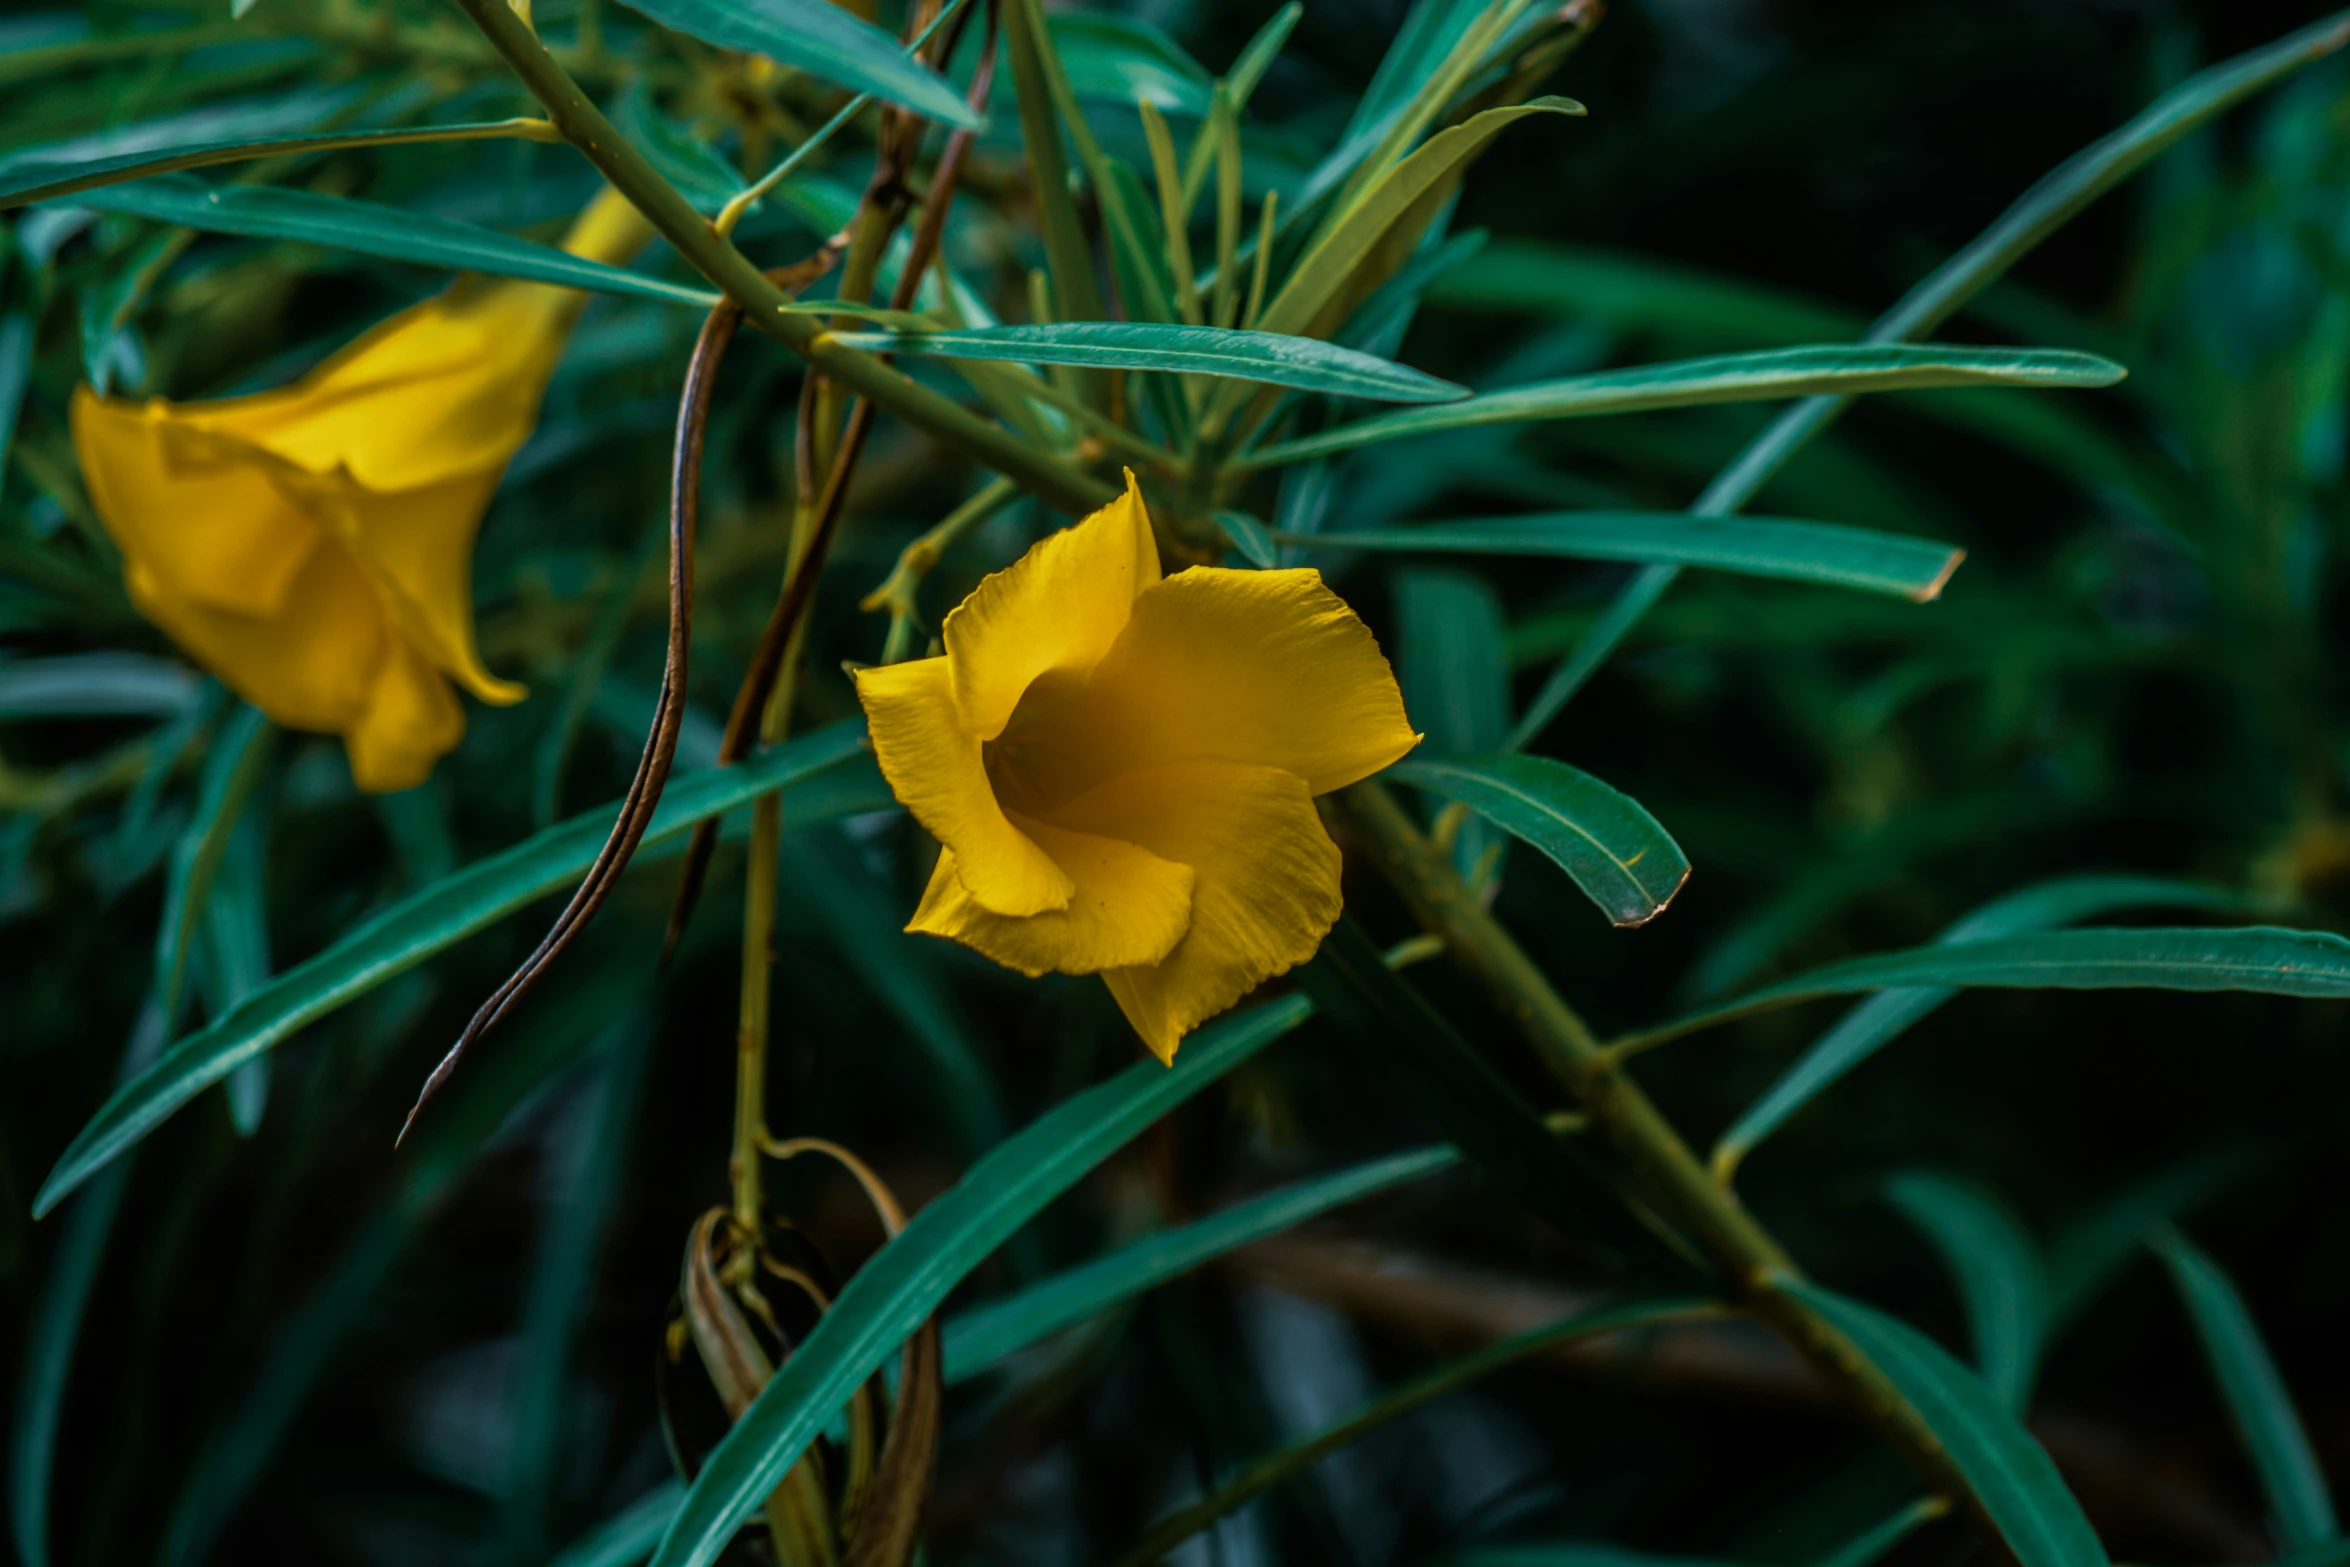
x=990, y=1334
x=1620, y=856
x=1262, y=1474
x=2015, y=1484
x=2258, y=1404
x=1997, y=1271
x=903, y=1283
x=437, y=917
x=1755, y=546
x=1301, y=362
x=2263, y=959
x=1723, y=378
x=372, y=229
x=822, y=39
x=28, y=179
x=1867, y=1027
x=55, y=1328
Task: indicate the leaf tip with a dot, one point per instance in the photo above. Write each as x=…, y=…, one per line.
x=1933, y=590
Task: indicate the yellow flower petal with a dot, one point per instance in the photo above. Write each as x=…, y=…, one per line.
x=417, y=547
x=1268, y=668
x=443, y=389
x=1129, y=907
x=201, y=519
x=1266, y=890
x=933, y=765
x=313, y=666
x=1058, y=607
x=412, y=720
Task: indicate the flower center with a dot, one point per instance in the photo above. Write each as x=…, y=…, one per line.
x=1043, y=759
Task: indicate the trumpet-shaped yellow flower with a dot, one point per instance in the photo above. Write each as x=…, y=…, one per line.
x=1121, y=769
x=313, y=547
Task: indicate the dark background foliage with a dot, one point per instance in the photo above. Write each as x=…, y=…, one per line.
x=2110, y=683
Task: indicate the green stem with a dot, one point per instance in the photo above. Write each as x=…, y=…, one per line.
x=1654, y=1154
x=765, y=306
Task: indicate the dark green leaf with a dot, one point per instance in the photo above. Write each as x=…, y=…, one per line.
x=56, y=1326
x=1249, y=537
x=1617, y=853
x=1997, y=1270
x=1301, y=362
x=2013, y=1479
x=97, y=685
x=1756, y=546
x=2090, y=1251
x=628, y=1537
x=48, y=174
x=1118, y=59
x=984, y=1337
x=906, y=1280
x=1638, y=293
x=372, y=229
x=1724, y=378
x=232, y=768
x=1443, y=1080
x=822, y=39
x=426, y=922
x=2263, y=959
x=2258, y=1403
x=1859, y=1033
x=1255, y=1478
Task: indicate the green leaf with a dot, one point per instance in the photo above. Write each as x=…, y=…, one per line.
x=430, y=920
x=56, y=1326
x=628, y=1537
x=822, y=39
x=705, y=178
x=2043, y=209
x=1756, y=546
x=232, y=768
x=1870, y=1545
x=1881, y=1018
x=2087, y=1253
x=1723, y=378
x=902, y=1284
x=1301, y=362
x=2263, y=959
x=1249, y=537
x=2257, y=1402
x=2013, y=1480
x=372, y=229
x=988, y=1335
x=1616, y=852
x=239, y=1449
x=900, y=969
x=98, y=685
x=232, y=957
x=1997, y=1270
x=544, y=1396
x=1635, y=292
x=47, y=174
x=1323, y=271
x=1454, y=669
x=1453, y=1090
x=1116, y=59
x=1261, y=1475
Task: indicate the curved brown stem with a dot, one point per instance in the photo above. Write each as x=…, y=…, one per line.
x=750, y=699
x=660, y=752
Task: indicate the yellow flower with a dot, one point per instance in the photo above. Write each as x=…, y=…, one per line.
x=1121, y=769
x=313, y=547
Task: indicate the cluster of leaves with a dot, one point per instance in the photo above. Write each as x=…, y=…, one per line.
x=245, y=1323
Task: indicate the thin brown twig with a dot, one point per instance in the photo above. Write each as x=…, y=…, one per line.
x=660, y=752
x=750, y=699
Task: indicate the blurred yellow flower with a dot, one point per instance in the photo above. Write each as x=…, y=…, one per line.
x=1121, y=769
x=313, y=547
